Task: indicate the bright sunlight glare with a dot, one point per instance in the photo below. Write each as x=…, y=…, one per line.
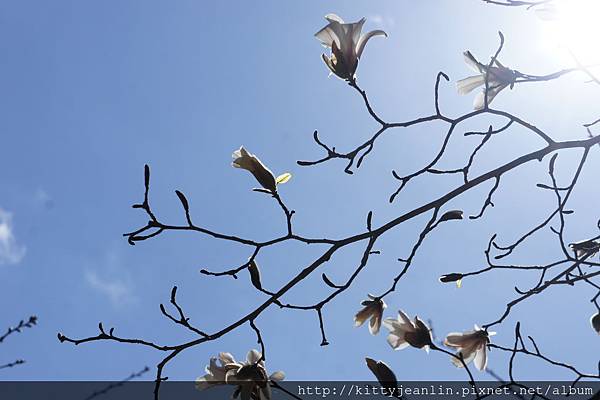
x=573, y=27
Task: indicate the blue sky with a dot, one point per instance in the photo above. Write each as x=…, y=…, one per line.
x=95, y=90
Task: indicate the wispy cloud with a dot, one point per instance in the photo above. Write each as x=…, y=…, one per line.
x=383, y=21
x=113, y=281
x=118, y=291
x=11, y=252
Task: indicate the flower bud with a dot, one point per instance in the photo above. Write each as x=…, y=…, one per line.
x=453, y=277
x=595, y=321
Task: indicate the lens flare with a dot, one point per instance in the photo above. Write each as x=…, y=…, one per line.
x=573, y=26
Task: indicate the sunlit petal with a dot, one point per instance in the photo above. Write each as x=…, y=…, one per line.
x=360, y=46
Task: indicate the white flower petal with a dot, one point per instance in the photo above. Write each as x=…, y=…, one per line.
x=329, y=64
x=334, y=17
x=360, y=46
x=226, y=358
x=402, y=317
x=467, y=85
x=252, y=164
x=362, y=315
x=480, y=360
x=212, y=365
x=493, y=89
x=479, y=100
x=277, y=376
x=375, y=324
x=338, y=33
x=455, y=339
x=327, y=36
x=473, y=63
x=396, y=341
x=253, y=356
x=356, y=29
x=390, y=323
x=467, y=358
x=230, y=377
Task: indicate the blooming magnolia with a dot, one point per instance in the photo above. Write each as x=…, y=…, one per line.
x=250, y=376
x=471, y=345
x=404, y=332
x=243, y=159
x=498, y=75
x=346, y=43
x=215, y=373
x=372, y=308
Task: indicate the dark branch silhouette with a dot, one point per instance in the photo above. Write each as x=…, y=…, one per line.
x=115, y=385
x=12, y=364
x=567, y=270
x=30, y=323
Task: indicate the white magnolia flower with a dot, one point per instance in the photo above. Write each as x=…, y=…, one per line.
x=595, y=321
x=372, y=308
x=471, y=345
x=215, y=373
x=404, y=332
x=243, y=159
x=346, y=44
x=499, y=78
x=251, y=378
